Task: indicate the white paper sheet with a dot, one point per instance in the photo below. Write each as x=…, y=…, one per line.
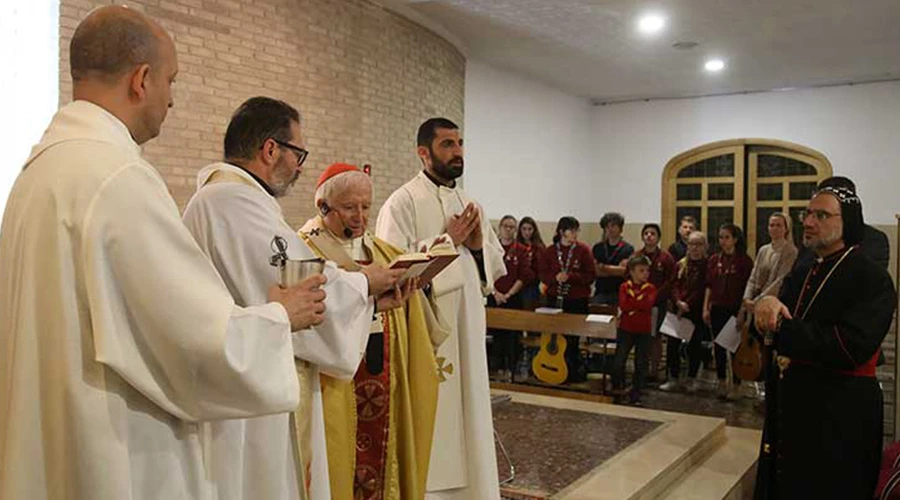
x=680, y=328
x=729, y=337
x=600, y=318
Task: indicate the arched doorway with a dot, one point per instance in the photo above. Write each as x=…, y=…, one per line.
x=741, y=181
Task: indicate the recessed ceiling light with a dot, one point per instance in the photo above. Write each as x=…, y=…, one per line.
x=714, y=65
x=651, y=23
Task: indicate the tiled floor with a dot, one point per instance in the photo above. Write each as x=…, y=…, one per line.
x=746, y=412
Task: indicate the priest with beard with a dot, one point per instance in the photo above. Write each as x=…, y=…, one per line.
x=379, y=425
x=823, y=428
x=234, y=216
x=430, y=208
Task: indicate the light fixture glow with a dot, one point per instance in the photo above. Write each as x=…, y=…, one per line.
x=651, y=23
x=714, y=65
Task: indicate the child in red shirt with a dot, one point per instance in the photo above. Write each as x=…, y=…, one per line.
x=636, y=299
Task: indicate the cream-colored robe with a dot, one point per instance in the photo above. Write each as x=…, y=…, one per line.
x=463, y=462
x=414, y=331
x=234, y=223
x=117, y=337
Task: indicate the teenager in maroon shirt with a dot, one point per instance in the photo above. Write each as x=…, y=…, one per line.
x=688, y=291
x=567, y=268
x=530, y=237
x=727, y=273
x=507, y=294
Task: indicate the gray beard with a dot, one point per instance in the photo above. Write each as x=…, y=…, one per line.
x=822, y=242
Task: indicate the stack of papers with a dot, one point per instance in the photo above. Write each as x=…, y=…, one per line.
x=548, y=310
x=600, y=318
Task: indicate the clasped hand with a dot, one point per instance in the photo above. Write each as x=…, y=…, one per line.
x=465, y=228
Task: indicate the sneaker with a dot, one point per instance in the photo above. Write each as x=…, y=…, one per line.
x=722, y=389
x=670, y=386
x=636, y=402
x=692, y=386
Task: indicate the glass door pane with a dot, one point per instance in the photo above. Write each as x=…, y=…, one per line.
x=784, y=181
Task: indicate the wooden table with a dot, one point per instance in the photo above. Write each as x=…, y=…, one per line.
x=570, y=324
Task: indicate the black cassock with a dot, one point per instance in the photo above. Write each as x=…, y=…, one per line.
x=823, y=430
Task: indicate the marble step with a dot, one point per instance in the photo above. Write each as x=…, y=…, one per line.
x=651, y=467
x=725, y=473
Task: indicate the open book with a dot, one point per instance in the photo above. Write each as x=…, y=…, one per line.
x=425, y=265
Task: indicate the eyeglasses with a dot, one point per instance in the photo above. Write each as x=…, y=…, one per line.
x=300, y=152
x=820, y=215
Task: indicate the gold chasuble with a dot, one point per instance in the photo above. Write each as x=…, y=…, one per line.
x=379, y=426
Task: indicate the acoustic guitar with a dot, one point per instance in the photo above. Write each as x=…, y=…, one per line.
x=549, y=365
x=747, y=362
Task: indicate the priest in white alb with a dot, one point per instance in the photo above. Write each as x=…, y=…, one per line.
x=117, y=337
x=428, y=208
x=234, y=216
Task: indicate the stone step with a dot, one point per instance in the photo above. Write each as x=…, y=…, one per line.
x=728, y=472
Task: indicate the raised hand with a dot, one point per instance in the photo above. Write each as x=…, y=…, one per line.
x=461, y=226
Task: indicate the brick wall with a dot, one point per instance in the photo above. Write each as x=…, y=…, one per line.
x=363, y=78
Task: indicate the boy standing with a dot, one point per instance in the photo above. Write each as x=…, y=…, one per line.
x=636, y=299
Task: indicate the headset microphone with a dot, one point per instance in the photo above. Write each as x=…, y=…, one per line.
x=348, y=233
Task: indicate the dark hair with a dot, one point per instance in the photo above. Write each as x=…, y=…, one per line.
x=740, y=244
x=612, y=218
x=637, y=260
x=110, y=42
x=535, y=236
x=837, y=182
x=428, y=130
x=254, y=122
x=688, y=218
x=565, y=223
x=507, y=217
x=652, y=225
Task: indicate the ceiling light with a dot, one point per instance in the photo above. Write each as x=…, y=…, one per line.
x=651, y=24
x=714, y=65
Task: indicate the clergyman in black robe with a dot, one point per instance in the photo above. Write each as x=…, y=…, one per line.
x=823, y=430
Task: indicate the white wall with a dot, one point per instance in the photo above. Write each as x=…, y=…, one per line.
x=29, y=49
x=856, y=127
x=525, y=146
